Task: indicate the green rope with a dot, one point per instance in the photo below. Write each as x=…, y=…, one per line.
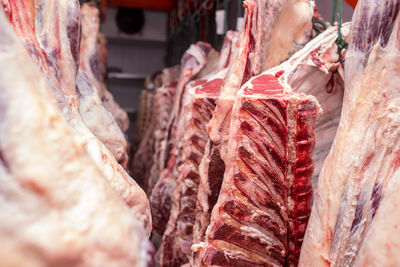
x=337, y=16
x=320, y=22
x=334, y=9
x=341, y=43
x=318, y=26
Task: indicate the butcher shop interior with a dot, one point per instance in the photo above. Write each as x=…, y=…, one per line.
x=169, y=133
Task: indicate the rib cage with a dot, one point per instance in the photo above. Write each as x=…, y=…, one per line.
x=262, y=212
x=261, y=169
x=163, y=104
x=199, y=105
x=302, y=168
x=200, y=111
x=193, y=61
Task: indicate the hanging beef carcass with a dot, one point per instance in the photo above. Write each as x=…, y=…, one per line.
x=200, y=60
x=267, y=187
x=271, y=139
x=354, y=220
x=94, y=61
x=198, y=106
x=51, y=36
x=158, y=106
x=107, y=98
x=100, y=122
x=258, y=38
x=170, y=74
x=163, y=105
x=254, y=47
x=193, y=65
x=316, y=71
x=92, y=57
x=56, y=207
x=145, y=127
x=143, y=157
x=142, y=115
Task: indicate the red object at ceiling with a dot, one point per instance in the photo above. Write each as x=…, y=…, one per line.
x=352, y=3
x=162, y=5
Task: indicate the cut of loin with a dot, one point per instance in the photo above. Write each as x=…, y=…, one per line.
x=193, y=61
x=57, y=56
x=64, y=213
x=199, y=104
x=355, y=215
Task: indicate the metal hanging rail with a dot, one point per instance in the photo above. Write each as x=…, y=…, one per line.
x=195, y=20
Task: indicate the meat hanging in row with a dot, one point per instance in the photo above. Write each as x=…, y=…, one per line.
x=232, y=164
x=256, y=204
